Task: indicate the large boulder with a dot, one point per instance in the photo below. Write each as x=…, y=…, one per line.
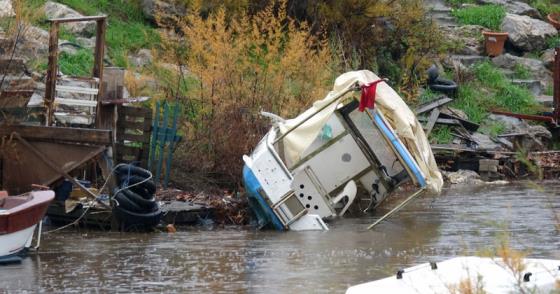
x=535, y=67
x=526, y=33
x=515, y=7
x=6, y=8
x=57, y=10
x=164, y=10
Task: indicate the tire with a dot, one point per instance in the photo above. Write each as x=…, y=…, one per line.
x=141, y=191
x=134, y=219
x=433, y=74
x=149, y=185
x=126, y=169
x=444, y=86
x=146, y=204
x=127, y=204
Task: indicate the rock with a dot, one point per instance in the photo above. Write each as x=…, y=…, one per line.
x=57, y=10
x=548, y=58
x=535, y=86
x=468, y=39
x=141, y=59
x=13, y=66
x=484, y=142
x=6, y=9
x=515, y=7
x=526, y=33
x=511, y=124
x=545, y=100
x=166, y=9
x=86, y=42
x=536, y=67
x=468, y=60
x=462, y=176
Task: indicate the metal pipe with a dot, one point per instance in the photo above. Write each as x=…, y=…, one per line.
x=399, y=207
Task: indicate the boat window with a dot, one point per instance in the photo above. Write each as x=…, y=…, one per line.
x=376, y=142
x=330, y=131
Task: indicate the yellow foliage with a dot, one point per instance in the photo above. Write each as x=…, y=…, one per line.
x=237, y=67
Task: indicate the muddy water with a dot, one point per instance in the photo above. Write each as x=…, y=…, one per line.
x=461, y=221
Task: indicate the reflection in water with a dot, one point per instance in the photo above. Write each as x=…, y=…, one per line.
x=461, y=221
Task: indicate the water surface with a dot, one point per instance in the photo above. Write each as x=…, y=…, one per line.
x=463, y=220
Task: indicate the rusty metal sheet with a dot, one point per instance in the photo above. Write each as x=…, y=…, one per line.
x=22, y=168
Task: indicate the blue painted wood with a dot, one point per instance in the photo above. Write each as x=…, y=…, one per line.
x=161, y=143
x=170, y=147
x=164, y=139
x=155, y=130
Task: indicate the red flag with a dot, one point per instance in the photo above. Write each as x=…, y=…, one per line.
x=368, y=95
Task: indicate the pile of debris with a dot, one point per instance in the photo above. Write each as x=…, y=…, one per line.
x=225, y=208
x=493, y=157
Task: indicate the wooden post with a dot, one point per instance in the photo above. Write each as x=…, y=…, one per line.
x=98, y=65
x=556, y=101
x=52, y=72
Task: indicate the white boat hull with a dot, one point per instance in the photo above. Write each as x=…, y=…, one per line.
x=16, y=242
x=493, y=275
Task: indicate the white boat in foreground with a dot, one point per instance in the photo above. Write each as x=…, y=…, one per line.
x=481, y=275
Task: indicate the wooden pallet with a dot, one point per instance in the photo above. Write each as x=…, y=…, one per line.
x=134, y=127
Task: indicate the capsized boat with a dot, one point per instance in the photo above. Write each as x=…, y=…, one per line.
x=19, y=215
x=313, y=167
x=481, y=275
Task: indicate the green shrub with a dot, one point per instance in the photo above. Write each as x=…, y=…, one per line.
x=489, y=16
x=441, y=135
x=553, y=42
x=546, y=7
x=79, y=64
x=491, y=89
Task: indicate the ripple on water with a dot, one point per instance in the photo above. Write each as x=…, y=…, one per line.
x=460, y=221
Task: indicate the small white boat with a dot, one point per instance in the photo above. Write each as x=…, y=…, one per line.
x=19, y=216
x=481, y=275
x=340, y=151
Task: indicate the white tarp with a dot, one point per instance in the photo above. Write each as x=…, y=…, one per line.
x=387, y=101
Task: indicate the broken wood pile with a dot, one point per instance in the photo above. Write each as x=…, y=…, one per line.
x=227, y=208
x=514, y=153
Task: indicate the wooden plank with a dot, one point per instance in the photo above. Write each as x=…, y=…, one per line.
x=77, y=90
x=433, y=104
x=77, y=19
x=432, y=120
x=128, y=150
x=42, y=133
x=136, y=111
x=443, y=121
x=469, y=125
x=131, y=137
x=75, y=102
x=134, y=125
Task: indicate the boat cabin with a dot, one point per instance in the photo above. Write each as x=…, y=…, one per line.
x=356, y=159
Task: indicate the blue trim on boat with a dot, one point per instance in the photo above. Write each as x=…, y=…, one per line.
x=409, y=161
x=262, y=209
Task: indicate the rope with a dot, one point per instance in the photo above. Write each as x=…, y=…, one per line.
x=100, y=191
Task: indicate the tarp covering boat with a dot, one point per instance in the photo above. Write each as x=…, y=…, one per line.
x=401, y=119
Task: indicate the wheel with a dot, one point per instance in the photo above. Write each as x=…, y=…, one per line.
x=445, y=86
x=146, y=204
